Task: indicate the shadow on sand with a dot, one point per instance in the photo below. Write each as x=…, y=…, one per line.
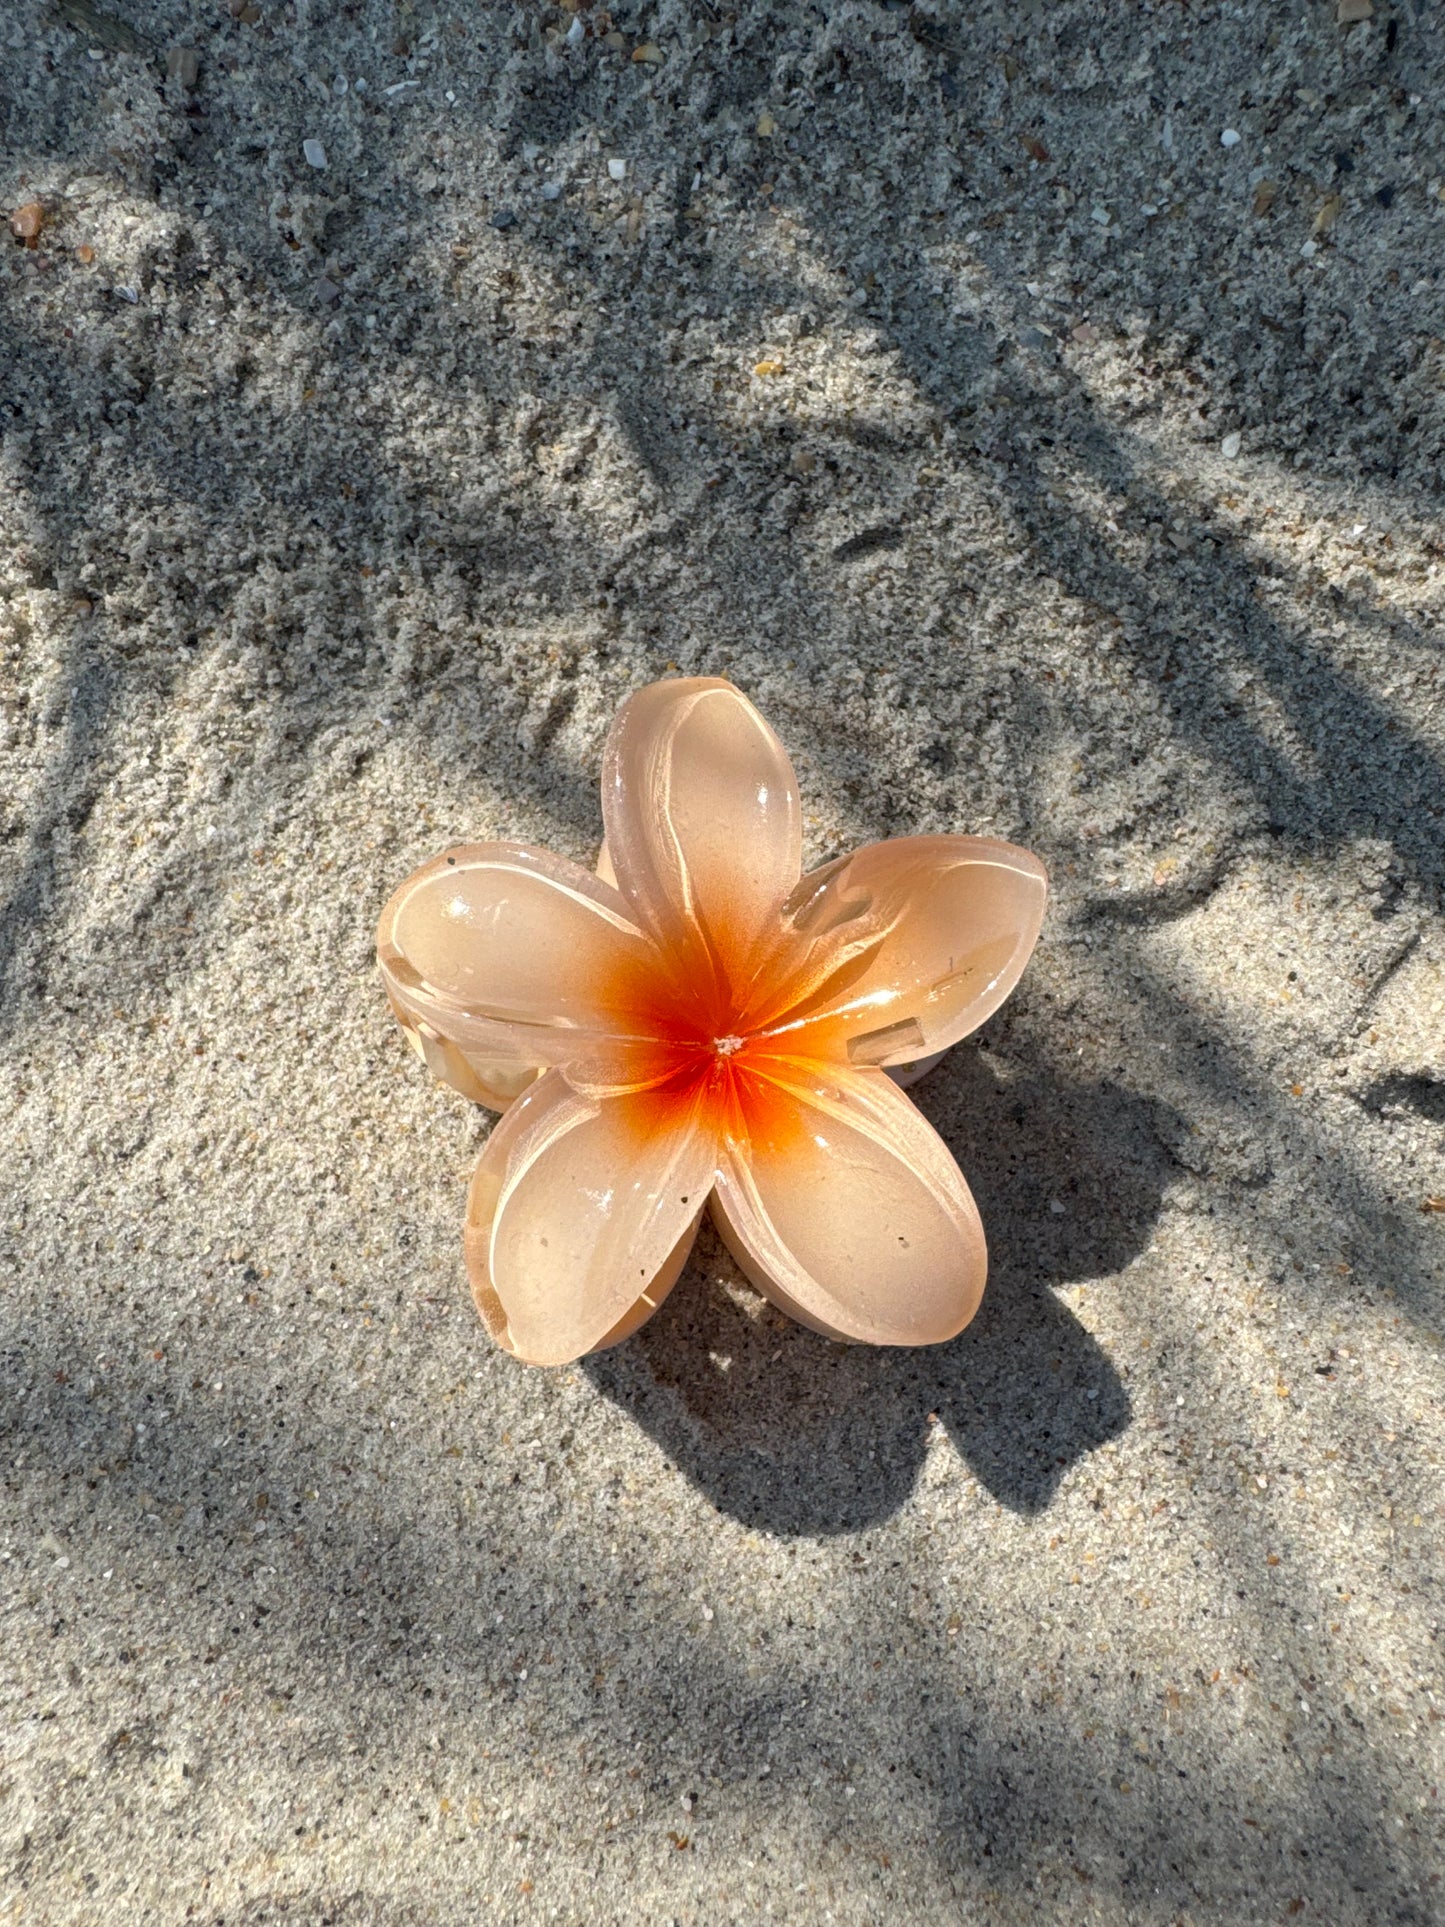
x=792, y=1433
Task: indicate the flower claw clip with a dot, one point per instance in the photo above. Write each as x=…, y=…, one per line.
x=698, y=1025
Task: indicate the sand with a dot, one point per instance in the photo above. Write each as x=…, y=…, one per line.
x=1045, y=464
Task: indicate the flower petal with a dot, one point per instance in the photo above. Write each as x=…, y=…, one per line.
x=485, y=1077
x=844, y=1206
x=576, y=1206
x=500, y=959
x=648, y=1301
x=704, y=825
x=907, y=946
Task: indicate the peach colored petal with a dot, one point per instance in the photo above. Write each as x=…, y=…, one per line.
x=909, y=945
x=844, y=1206
x=649, y=1300
x=486, y=1078
x=499, y=959
x=704, y=825
x=576, y=1207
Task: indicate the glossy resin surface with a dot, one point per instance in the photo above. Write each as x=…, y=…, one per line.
x=699, y=1025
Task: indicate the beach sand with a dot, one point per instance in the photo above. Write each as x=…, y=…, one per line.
x=1045, y=463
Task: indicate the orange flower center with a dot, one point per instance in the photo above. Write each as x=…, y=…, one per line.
x=725, y=1040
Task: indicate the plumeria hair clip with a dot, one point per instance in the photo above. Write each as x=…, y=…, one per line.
x=700, y=1026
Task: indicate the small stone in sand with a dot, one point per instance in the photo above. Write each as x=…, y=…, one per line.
x=504, y=218
x=1229, y=447
x=183, y=64
x=1349, y=12
x=618, y=170
x=315, y=153
x=26, y=223
x=649, y=54
x=1229, y=138
x=1329, y=213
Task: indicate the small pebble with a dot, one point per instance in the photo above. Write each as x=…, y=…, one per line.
x=1309, y=249
x=618, y=170
x=1349, y=12
x=1229, y=138
x=26, y=223
x=504, y=218
x=1329, y=213
x=649, y=54
x=85, y=254
x=1230, y=447
x=183, y=64
x=551, y=191
x=576, y=33
x=327, y=290
x=315, y=153
x=767, y=126
x=1099, y=214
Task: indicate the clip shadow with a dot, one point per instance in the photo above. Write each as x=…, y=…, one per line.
x=793, y=1433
